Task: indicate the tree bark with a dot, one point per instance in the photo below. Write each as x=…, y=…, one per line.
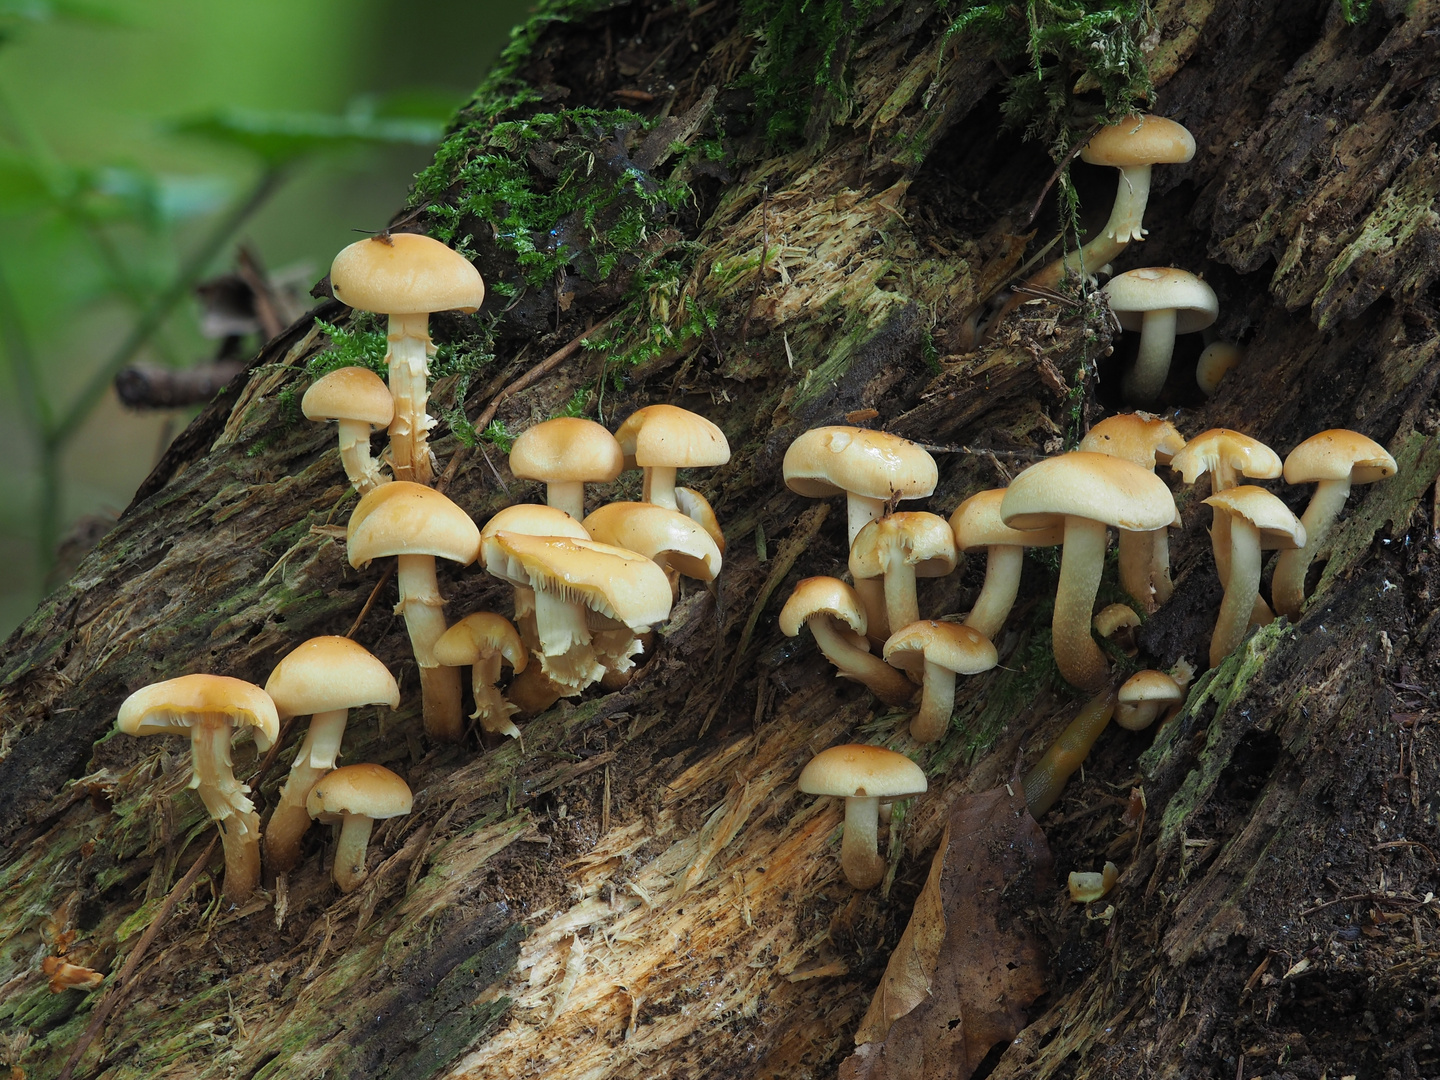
x=639, y=890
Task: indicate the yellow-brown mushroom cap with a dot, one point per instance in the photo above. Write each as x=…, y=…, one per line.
x=1338, y=454
x=822, y=596
x=403, y=518
x=857, y=771
x=326, y=674
x=659, y=533
x=698, y=509
x=567, y=449
x=617, y=583
x=952, y=646
x=478, y=636
x=670, y=437
x=534, y=519
x=1092, y=486
x=976, y=523
x=1162, y=288
x=405, y=274
x=1150, y=685
x=829, y=461
x=349, y=393
x=1279, y=529
x=922, y=540
x=367, y=790
x=1139, y=437
x=1245, y=455
x=174, y=706
x=1140, y=140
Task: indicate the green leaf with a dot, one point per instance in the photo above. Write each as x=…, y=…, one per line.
x=278, y=138
x=23, y=186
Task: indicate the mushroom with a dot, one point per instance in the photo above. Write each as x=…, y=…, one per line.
x=418, y=524
x=1160, y=302
x=1088, y=886
x=1332, y=461
x=697, y=508
x=1142, y=697
x=823, y=603
x=1116, y=623
x=862, y=776
x=663, y=438
x=1226, y=456
x=359, y=400
x=209, y=708
x=567, y=453
x=1090, y=491
x=871, y=469
x=569, y=576
x=1046, y=780
x=406, y=276
x=482, y=640
x=670, y=539
x=1144, y=557
x=976, y=523
x=1258, y=520
x=356, y=797
x=323, y=678
x=1217, y=360
x=946, y=650
x=900, y=548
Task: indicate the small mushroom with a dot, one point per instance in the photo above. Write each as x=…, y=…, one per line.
x=1258, y=520
x=567, y=453
x=1116, y=623
x=407, y=276
x=1088, y=886
x=1225, y=456
x=360, y=401
x=1217, y=360
x=481, y=641
x=1160, y=302
x=946, y=650
x=1142, y=697
x=209, y=708
x=976, y=523
x=900, y=548
x=823, y=603
x=356, y=797
x=662, y=439
x=323, y=678
x=862, y=776
x=417, y=524
x=1333, y=461
x=1046, y=780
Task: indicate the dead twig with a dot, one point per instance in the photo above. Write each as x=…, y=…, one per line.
x=369, y=603
x=764, y=258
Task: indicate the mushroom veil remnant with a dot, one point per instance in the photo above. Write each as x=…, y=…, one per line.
x=209, y=709
x=407, y=276
x=482, y=641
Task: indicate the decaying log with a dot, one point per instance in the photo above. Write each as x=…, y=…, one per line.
x=639, y=891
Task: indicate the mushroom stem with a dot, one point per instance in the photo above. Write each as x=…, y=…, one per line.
x=350, y=850
x=997, y=595
x=360, y=468
x=860, y=511
x=1160, y=566
x=424, y=614
x=933, y=719
x=491, y=708
x=659, y=487
x=1143, y=382
x=289, y=820
x=859, y=844
x=1287, y=588
x=1080, y=660
x=1046, y=780
x=567, y=495
x=901, y=606
x=886, y=683
x=1129, y=209
x=226, y=800
x=1137, y=567
x=408, y=357
x=1241, y=587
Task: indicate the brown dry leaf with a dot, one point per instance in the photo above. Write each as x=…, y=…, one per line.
x=966, y=966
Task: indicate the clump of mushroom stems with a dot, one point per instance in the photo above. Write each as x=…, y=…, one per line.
x=1287, y=586
x=290, y=820
x=1046, y=780
x=408, y=357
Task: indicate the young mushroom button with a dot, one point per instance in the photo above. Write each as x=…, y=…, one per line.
x=406, y=276
x=823, y=603
x=946, y=650
x=663, y=438
x=567, y=453
x=209, y=708
x=1160, y=302
x=356, y=797
x=862, y=776
x=359, y=400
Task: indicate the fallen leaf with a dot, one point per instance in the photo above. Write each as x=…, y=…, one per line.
x=966, y=967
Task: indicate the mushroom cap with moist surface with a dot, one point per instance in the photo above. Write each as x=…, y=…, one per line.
x=1139, y=437
x=619, y=584
x=173, y=706
x=822, y=596
x=659, y=533
x=404, y=518
x=1088, y=485
x=1140, y=140
x=405, y=274
x=327, y=674
x=534, y=519
x=349, y=393
x=1279, y=529
x=667, y=436
x=1338, y=454
x=567, y=449
x=365, y=789
x=857, y=771
x=829, y=461
x=1153, y=288
x=924, y=541
x=949, y=645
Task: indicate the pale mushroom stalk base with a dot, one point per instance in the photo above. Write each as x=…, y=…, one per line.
x=360, y=468
x=568, y=496
x=424, y=614
x=1142, y=383
x=227, y=801
x=860, y=511
x=1137, y=567
x=860, y=856
x=409, y=361
x=933, y=719
x=1287, y=587
x=1241, y=588
x=889, y=685
x=997, y=595
x=1046, y=780
x=350, y=850
x=491, y=708
x=1078, y=657
x=659, y=486
x=290, y=820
